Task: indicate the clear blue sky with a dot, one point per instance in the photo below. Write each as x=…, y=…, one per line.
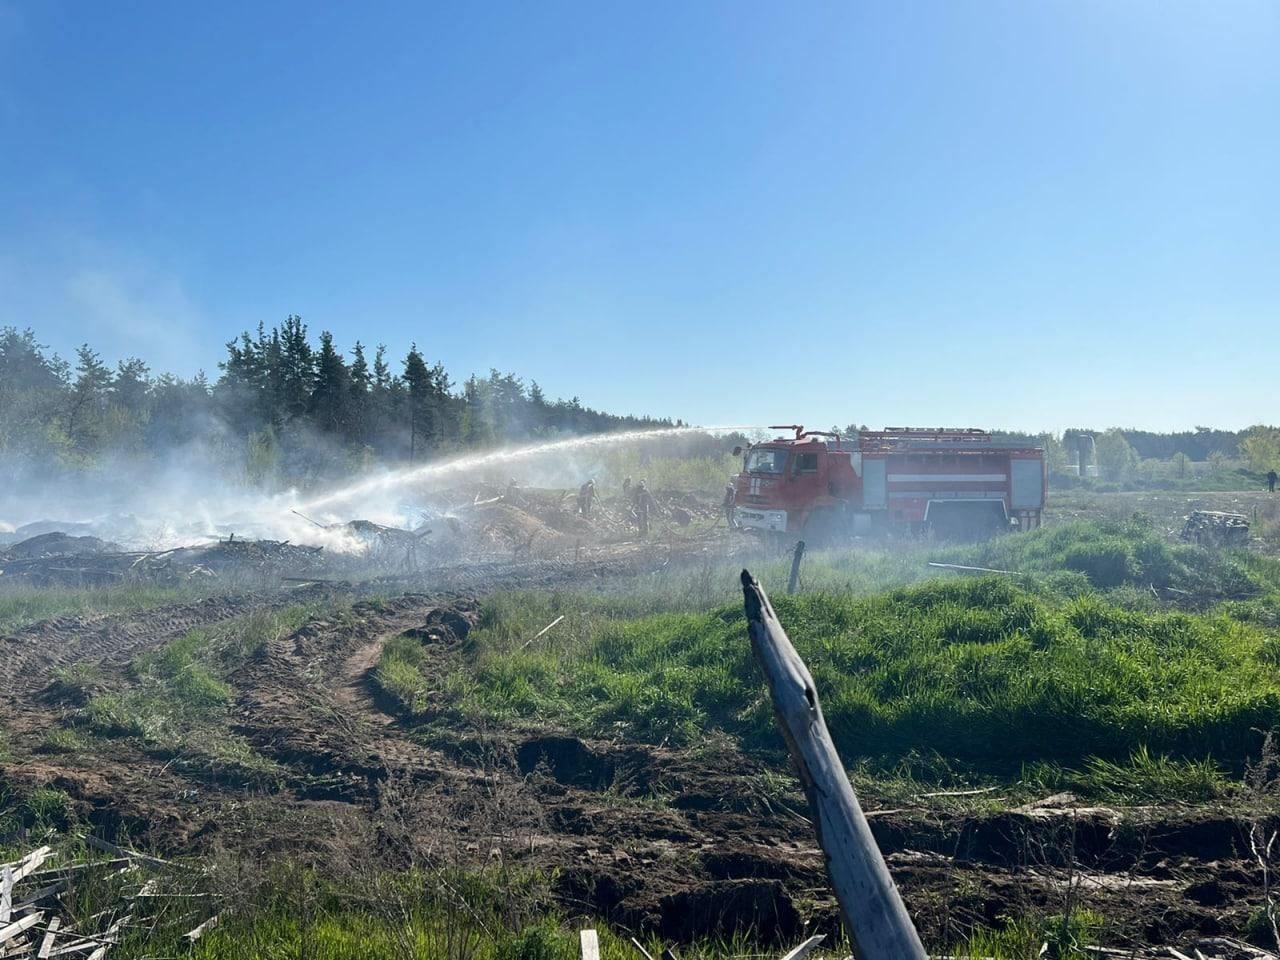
x=991, y=213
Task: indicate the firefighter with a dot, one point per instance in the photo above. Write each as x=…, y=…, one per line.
x=586, y=494
x=1271, y=481
x=626, y=487
x=730, y=499
x=645, y=507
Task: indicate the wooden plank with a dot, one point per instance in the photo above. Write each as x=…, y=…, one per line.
x=10, y=931
x=193, y=935
x=877, y=920
x=6, y=894
x=806, y=948
x=31, y=899
x=643, y=952
x=32, y=861
x=80, y=946
x=107, y=847
x=66, y=870
x=590, y=945
x=46, y=945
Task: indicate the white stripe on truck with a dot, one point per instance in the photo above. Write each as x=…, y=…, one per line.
x=947, y=477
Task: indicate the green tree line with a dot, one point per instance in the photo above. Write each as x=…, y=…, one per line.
x=287, y=407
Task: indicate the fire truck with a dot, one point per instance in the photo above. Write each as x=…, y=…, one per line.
x=952, y=483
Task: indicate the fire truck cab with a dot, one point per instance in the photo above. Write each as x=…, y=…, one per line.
x=955, y=483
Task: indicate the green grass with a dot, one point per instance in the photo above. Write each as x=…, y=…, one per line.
x=982, y=671
x=1164, y=478
x=63, y=741
x=1142, y=778
x=476, y=915
x=44, y=810
x=23, y=606
x=399, y=673
x=178, y=695
x=1113, y=553
x=489, y=915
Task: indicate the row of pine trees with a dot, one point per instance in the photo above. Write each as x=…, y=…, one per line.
x=283, y=407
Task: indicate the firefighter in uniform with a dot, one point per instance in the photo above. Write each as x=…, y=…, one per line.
x=730, y=499
x=645, y=506
x=586, y=494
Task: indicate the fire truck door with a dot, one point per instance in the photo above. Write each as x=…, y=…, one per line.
x=874, y=494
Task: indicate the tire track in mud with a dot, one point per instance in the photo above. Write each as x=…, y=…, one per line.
x=305, y=702
x=29, y=656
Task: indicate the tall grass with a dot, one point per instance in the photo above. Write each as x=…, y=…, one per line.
x=983, y=671
x=1111, y=553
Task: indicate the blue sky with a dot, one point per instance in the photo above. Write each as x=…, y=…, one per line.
x=1019, y=214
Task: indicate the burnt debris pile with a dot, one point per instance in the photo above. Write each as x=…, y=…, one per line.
x=58, y=560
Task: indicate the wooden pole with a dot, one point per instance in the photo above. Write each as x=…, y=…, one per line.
x=877, y=920
x=795, y=567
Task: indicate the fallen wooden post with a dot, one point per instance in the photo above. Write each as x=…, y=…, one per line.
x=796, y=557
x=873, y=912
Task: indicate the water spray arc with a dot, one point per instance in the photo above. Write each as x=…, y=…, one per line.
x=401, y=478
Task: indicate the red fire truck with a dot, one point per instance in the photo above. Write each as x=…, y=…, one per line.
x=954, y=483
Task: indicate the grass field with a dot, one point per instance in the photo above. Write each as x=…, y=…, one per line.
x=1112, y=662
x=1074, y=666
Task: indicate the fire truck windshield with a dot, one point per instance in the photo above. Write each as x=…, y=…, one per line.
x=766, y=461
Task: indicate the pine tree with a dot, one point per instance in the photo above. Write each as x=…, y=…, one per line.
x=132, y=387
x=87, y=403
x=296, y=372
x=417, y=379
x=358, y=398
x=331, y=394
